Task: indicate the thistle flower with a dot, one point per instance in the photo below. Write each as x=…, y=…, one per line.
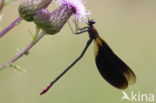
x=28, y=8
x=56, y=20
x=51, y=23
x=78, y=5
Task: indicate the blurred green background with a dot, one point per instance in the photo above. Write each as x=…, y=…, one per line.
x=128, y=26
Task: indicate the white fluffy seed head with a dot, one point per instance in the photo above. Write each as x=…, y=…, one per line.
x=80, y=11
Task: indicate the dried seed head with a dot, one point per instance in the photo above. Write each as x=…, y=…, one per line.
x=28, y=8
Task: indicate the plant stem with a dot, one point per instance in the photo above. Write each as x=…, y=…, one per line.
x=36, y=34
x=26, y=49
x=1, y=5
x=13, y=24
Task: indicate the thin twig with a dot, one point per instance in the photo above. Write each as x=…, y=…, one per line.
x=26, y=49
x=13, y=24
x=1, y=5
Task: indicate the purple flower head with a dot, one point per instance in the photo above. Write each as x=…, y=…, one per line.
x=54, y=22
x=80, y=11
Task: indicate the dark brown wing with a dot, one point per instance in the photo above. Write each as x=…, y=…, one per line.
x=111, y=67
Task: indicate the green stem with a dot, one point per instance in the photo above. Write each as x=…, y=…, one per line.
x=37, y=33
x=21, y=53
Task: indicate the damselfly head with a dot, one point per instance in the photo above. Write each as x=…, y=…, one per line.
x=91, y=22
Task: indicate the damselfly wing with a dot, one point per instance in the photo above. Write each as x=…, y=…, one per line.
x=111, y=67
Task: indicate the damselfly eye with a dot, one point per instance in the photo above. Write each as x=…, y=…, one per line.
x=91, y=22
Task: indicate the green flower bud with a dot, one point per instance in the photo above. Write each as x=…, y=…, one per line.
x=28, y=8
x=41, y=19
x=57, y=19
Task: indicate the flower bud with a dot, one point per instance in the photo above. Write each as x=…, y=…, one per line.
x=28, y=8
x=42, y=18
x=56, y=21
